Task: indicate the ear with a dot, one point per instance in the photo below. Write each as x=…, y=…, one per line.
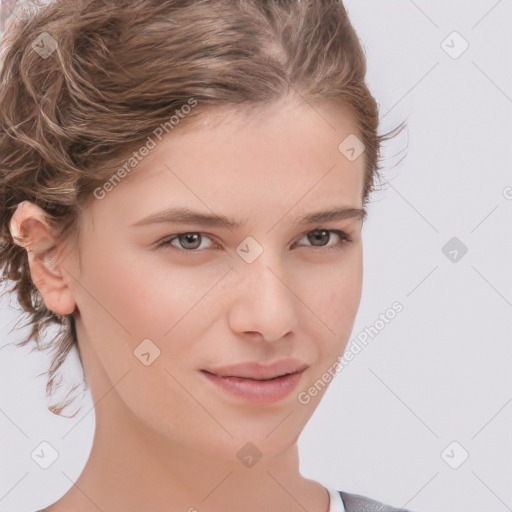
x=30, y=229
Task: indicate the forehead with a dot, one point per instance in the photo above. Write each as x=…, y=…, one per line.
x=285, y=155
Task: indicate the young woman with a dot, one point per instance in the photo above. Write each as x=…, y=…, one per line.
x=184, y=184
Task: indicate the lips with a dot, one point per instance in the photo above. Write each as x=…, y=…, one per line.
x=258, y=383
x=255, y=371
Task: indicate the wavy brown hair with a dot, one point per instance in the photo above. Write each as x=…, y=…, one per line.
x=119, y=69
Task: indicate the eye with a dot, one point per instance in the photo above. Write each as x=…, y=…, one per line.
x=186, y=241
x=191, y=241
x=323, y=236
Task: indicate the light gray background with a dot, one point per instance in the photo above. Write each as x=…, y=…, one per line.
x=440, y=371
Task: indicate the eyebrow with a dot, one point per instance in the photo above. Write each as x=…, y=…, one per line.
x=187, y=216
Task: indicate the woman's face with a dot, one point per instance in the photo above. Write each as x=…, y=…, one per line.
x=156, y=309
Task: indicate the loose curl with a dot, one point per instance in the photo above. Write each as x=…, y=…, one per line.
x=122, y=67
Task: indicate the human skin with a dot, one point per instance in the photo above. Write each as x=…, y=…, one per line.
x=166, y=438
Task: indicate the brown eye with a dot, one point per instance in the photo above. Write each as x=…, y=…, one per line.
x=321, y=236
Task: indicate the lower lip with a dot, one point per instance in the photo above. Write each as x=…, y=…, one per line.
x=257, y=391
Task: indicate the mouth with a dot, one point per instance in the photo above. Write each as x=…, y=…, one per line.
x=256, y=390
x=249, y=378
x=253, y=370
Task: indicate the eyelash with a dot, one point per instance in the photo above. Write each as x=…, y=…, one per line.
x=344, y=239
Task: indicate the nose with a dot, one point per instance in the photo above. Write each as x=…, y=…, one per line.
x=264, y=303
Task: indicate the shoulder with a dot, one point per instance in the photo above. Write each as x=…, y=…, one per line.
x=358, y=503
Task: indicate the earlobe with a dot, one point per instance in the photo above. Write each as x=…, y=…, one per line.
x=30, y=230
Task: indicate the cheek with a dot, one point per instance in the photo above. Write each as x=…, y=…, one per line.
x=136, y=301
x=335, y=293
x=126, y=298
x=172, y=298
x=149, y=296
